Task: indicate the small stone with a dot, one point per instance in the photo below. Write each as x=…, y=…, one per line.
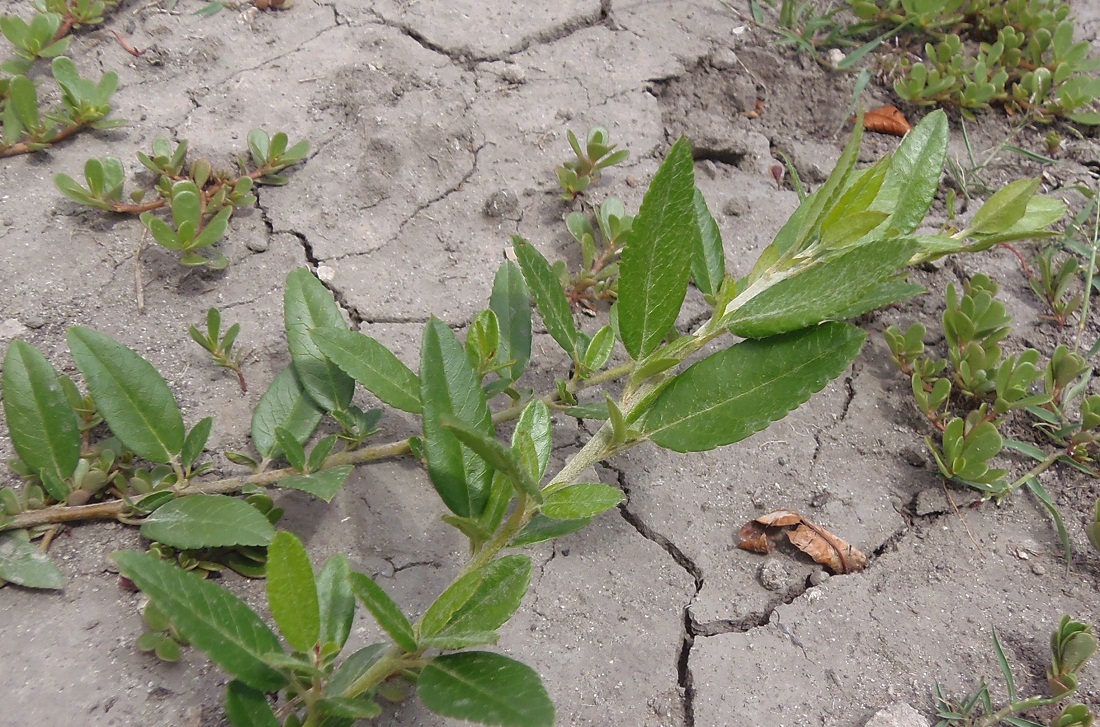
x=774, y=576
x=11, y=328
x=834, y=57
x=1038, y=569
x=258, y=244
x=912, y=456
x=709, y=169
x=502, y=203
x=723, y=59
x=513, y=73
x=818, y=577
x=898, y=714
x=325, y=273
x=735, y=207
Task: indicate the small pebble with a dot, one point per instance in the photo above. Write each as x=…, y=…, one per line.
x=774, y=576
x=325, y=273
x=258, y=244
x=502, y=203
x=723, y=59
x=834, y=57
x=1038, y=569
x=818, y=577
x=513, y=73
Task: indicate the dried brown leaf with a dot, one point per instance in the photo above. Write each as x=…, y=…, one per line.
x=754, y=537
x=887, y=120
x=826, y=548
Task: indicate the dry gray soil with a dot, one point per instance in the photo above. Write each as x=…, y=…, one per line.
x=420, y=112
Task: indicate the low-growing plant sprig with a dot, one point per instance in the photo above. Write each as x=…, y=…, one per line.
x=201, y=198
x=598, y=153
x=1072, y=644
x=971, y=394
x=220, y=347
x=84, y=105
x=841, y=254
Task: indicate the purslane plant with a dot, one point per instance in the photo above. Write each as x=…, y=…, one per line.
x=201, y=199
x=842, y=253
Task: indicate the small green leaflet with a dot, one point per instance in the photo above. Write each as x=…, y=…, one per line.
x=207, y=521
x=25, y=564
x=387, y=613
x=247, y=707
x=292, y=592
x=511, y=301
x=210, y=617
x=336, y=601
x=487, y=688
x=708, y=260
x=284, y=405
x=131, y=396
x=821, y=292
x=497, y=596
x=549, y=296
x=544, y=528
x=914, y=174
x=581, y=501
x=307, y=306
x=738, y=391
x=449, y=387
x=373, y=365
x=324, y=484
x=656, y=262
x=43, y=427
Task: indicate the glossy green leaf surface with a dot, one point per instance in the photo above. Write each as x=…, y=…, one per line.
x=486, y=688
x=738, y=391
x=292, y=592
x=535, y=421
x=336, y=601
x=914, y=174
x=1005, y=208
x=708, y=260
x=284, y=405
x=822, y=292
x=499, y=457
x=499, y=593
x=129, y=394
x=210, y=617
x=511, y=301
x=324, y=484
x=307, y=306
x=449, y=387
x=195, y=442
x=581, y=501
x=549, y=296
x=207, y=521
x=373, y=365
x=42, y=425
x=387, y=613
x=248, y=707
x=543, y=528
x=24, y=564
x=655, y=265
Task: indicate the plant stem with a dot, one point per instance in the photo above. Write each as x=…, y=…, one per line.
x=1015, y=708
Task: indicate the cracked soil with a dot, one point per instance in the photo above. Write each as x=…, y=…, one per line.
x=420, y=114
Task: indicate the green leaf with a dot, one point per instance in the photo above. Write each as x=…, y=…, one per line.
x=210, y=617
x=207, y=521
x=1005, y=208
x=292, y=449
x=441, y=611
x=460, y=641
x=499, y=593
x=581, y=501
x=449, y=387
x=247, y=707
x=736, y=392
x=26, y=565
x=24, y=101
x=548, y=294
x=372, y=365
x=543, y=528
x=535, y=421
x=499, y=457
x=336, y=601
x=324, y=484
x=292, y=592
x=195, y=442
x=43, y=427
x=129, y=394
x=653, y=273
x=385, y=611
x=284, y=405
x=354, y=667
x=822, y=292
x=708, y=260
x=914, y=174
x=307, y=306
x=599, y=349
x=850, y=229
x=486, y=688
x=511, y=301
